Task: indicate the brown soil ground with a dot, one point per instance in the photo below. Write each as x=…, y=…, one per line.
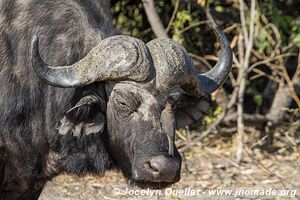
x=208, y=165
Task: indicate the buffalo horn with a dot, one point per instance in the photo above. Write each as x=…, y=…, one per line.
x=173, y=65
x=114, y=58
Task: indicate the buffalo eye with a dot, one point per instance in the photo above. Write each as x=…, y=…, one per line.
x=122, y=103
x=126, y=102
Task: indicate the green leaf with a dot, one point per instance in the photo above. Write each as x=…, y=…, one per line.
x=261, y=41
x=258, y=99
x=296, y=39
x=218, y=111
x=219, y=9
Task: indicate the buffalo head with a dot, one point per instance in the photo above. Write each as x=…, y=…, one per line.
x=143, y=84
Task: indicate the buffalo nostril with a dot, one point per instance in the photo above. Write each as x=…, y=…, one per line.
x=164, y=168
x=156, y=165
x=153, y=169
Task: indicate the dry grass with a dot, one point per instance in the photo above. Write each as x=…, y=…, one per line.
x=208, y=165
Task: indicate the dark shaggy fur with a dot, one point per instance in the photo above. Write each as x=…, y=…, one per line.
x=32, y=113
x=31, y=151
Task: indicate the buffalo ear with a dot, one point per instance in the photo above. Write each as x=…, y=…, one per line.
x=84, y=118
x=190, y=110
x=87, y=107
x=82, y=128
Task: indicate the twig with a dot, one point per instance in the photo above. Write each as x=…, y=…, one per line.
x=201, y=59
x=173, y=16
x=243, y=73
x=270, y=59
x=260, y=142
x=261, y=73
x=291, y=140
x=231, y=28
x=192, y=26
x=278, y=38
x=290, y=83
x=243, y=21
x=240, y=124
x=235, y=60
x=211, y=57
x=154, y=19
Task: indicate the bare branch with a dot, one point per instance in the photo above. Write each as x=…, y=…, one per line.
x=243, y=21
x=173, y=16
x=154, y=19
x=243, y=75
x=193, y=26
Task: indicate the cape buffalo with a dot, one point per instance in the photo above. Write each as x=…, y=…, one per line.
x=77, y=98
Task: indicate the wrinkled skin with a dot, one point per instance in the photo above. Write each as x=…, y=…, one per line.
x=134, y=134
x=133, y=114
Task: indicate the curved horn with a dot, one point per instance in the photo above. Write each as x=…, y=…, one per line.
x=214, y=78
x=114, y=58
x=173, y=65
